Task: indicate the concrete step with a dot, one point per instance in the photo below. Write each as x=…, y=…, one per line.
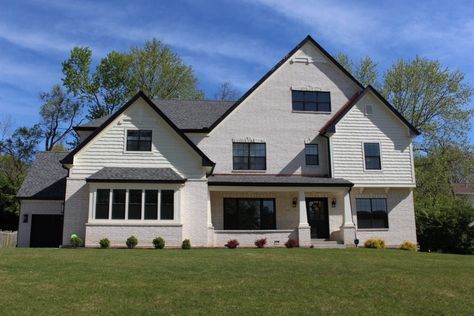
x=323, y=243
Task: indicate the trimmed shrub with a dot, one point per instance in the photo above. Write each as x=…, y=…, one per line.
x=446, y=227
x=75, y=241
x=376, y=243
x=104, y=243
x=186, y=244
x=292, y=243
x=260, y=243
x=159, y=243
x=408, y=245
x=131, y=242
x=232, y=244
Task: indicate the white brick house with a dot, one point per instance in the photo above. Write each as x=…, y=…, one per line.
x=307, y=153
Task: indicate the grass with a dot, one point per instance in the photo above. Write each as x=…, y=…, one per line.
x=241, y=281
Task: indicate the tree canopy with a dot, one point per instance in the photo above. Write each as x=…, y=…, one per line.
x=155, y=69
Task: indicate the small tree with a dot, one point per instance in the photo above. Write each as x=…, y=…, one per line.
x=59, y=114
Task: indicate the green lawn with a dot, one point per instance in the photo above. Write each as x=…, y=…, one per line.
x=241, y=281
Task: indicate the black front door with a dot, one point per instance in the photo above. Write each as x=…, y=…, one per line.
x=318, y=219
x=46, y=230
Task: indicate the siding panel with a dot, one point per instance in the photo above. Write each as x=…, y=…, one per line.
x=383, y=127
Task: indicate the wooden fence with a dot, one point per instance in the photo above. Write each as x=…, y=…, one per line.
x=8, y=239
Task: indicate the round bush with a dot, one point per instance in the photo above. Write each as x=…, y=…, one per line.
x=159, y=243
x=260, y=243
x=75, y=241
x=132, y=241
x=104, y=243
x=186, y=244
x=376, y=243
x=232, y=244
x=292, y=243
x=408, y=245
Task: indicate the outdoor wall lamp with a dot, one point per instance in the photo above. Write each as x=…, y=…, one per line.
x=294, y=202
x=333, y=203
x=25, y=218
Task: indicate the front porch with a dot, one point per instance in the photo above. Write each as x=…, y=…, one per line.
x=309, y=214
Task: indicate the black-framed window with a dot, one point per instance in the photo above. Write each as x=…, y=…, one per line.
x=372, y=156
x=311, y=154
x=372, y=213
x=139, y=140
x=151, y=204
x=135, y=204
x=102, y=204
x=118, y=204
x=167, y=204
x=313, y=101
x=249, y=214
x=249, y=156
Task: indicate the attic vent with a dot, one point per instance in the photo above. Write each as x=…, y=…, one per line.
x=369, y=109
x=302, y=59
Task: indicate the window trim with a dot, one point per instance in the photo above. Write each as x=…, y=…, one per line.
x=380, y=157
x=137, y=151
x=306, y=155
x=317, y=104
x=248, y=157
x=247, y=198
x=143, y=187
x=371, y=210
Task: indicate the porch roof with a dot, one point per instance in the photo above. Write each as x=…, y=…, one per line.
x=120, y=174
x=276, y=180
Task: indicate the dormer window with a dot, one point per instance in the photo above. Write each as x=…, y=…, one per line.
x=139, y=140
x=311, y=101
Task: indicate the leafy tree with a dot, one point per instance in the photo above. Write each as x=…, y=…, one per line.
x=433, y=98
x=160, y=73
x=59, y=114
x=155, y=69
x=365, y=70
x=226, y=92
x=437, y=172
x=16, y=153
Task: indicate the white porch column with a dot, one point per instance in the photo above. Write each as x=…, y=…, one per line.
x=304, y=230
x=210, y=227
x=348, y=227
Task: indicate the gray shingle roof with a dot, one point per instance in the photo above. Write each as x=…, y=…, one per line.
x=119, y=174
x=185, y=114
x=46, y=178
x=276, y=180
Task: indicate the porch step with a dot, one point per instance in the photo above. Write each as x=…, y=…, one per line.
x=327, y=244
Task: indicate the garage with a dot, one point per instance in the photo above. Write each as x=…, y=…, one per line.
x=46, y=230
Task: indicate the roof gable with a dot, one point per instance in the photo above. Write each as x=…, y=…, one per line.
x=308, y=39
x=69, y=159
x=330, y=126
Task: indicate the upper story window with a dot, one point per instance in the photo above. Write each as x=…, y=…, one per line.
x=372, y=213
x=372, y=156
x=249, y=156
x=312, y=101
x=139, y=140
x=311, y=154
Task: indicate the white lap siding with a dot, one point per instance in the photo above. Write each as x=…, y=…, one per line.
x=381, y=127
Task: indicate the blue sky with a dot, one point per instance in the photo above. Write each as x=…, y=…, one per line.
x=236, y=41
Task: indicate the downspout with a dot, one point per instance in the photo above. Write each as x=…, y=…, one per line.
x=329, y=156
